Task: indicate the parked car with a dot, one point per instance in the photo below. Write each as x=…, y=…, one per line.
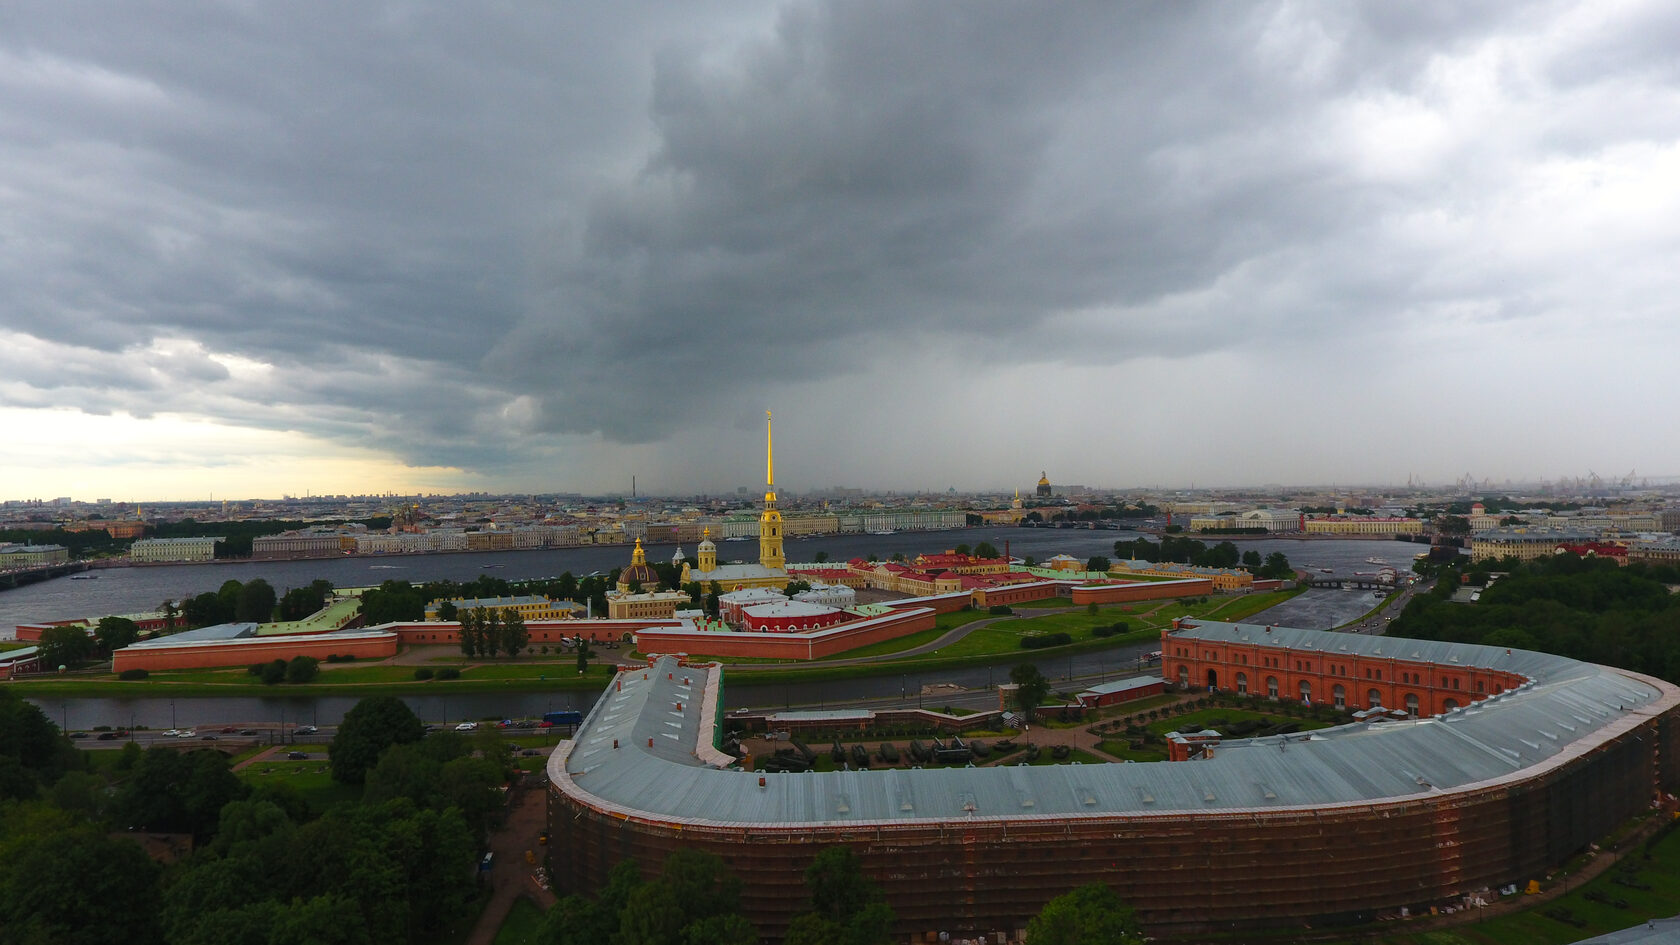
x=466, y=727
x=297, y=756
x=107, y=736
x=247, y=731
x=305, y=730
x=209, y=738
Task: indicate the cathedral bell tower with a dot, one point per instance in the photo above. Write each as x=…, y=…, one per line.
x=770, y=523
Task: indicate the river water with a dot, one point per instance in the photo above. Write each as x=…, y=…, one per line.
x=136, y=589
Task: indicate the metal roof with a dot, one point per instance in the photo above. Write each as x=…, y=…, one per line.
x=1566, y=709
x=1123, y=685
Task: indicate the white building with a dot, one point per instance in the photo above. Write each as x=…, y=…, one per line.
x=174, y=550
x=838, y=596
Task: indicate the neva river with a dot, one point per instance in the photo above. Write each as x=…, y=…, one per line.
x=130, y=590
x=139, y=589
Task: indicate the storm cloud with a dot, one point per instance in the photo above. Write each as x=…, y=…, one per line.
x=551, y=245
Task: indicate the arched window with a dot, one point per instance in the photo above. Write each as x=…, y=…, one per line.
x=1242, y=683
x=1412, y=704
x=1271, y=687
x=1213, y=680
x=1184, y=676
x=1374, y=697
x=1339, y=695
x=1306, y=691
x=1449, y=705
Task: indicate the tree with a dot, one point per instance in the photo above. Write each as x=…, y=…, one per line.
x=1452, y=525
x=962, y=549
x=986, y=550
x=302, y=669
x=1277, y=566
x=77, y=886
x=447, y=611
x=175, y=791
x=583, y=655
x=821, y=557
x=371, y=726
x=205, y=610
x=170, y=614
x=796, y=587
x=1097, y=563
x=1031, y=687
x=65, y=646
x=441, y=772
x=487, y=630
x=513, y=633
x=300, y=602
x=469, y=632
x=1251, y=560
x=847, y=907
x=114, y=633
x=255, y=603
x=1090, y=914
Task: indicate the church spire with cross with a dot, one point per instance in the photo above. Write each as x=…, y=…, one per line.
x=770, y=523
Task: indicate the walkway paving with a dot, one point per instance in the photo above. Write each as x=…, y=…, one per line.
x=512, y=877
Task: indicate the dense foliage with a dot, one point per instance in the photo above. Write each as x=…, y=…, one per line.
x=694, y=900
x=1175, y=550
x=1092, y=913
x=371, y=726
x=1585, y=608
x=400, y=600
x=398, y=867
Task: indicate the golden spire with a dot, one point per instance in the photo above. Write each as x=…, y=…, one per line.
x=769, y=453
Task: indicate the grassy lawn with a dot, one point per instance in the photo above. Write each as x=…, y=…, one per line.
x=522, y=926
x=1125, y=751
x=1213, y=718
x=310, y=779
x=889, y=647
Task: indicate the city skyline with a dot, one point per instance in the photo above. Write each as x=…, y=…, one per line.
x=267, y=251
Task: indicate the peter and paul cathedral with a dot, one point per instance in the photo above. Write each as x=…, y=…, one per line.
x=771, y=569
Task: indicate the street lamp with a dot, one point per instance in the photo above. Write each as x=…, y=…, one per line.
x=172, y=715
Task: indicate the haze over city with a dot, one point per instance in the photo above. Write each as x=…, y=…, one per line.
x=342, y=249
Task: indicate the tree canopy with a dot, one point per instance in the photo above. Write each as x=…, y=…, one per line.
x=1031, y=687
x=371, y=726
x=1093, y=914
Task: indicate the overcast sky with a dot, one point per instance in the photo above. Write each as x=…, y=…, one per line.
x=259, y=248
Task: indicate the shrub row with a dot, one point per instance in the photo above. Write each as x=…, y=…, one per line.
x=1039, y=641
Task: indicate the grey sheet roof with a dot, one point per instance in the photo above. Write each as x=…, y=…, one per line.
x=1567, y=707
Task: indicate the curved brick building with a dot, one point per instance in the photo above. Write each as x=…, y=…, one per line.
x=1548, y=755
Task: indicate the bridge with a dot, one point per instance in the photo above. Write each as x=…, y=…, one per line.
x=1364, y=582
x=18, y=576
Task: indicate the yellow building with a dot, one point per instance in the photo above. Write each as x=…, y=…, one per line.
x=528, y=607
x=653, y=605
x=1364, y=525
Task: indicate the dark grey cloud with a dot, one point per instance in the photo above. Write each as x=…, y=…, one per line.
x=491, y=236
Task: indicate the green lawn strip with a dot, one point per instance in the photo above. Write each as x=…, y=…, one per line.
x=1125, y=751
x=308, y=778
x=1209, y=718
x=523, y=925
x=889, y=647
x=1075, y=754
